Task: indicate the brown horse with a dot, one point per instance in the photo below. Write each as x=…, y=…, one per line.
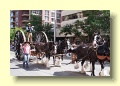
x=43, y=49
x=59, y=51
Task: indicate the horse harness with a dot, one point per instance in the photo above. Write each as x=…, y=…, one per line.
x=88, y=53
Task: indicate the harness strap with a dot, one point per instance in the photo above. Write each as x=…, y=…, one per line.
x=87, y=53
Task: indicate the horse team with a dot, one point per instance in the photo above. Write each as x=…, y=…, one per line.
x=83, y=53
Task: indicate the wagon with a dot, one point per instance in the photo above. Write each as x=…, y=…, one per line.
x=20, y=38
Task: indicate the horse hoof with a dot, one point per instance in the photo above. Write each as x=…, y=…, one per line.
x=83, y=72
x=92, y=74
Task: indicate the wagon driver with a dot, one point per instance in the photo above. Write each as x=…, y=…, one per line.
x=29, y=30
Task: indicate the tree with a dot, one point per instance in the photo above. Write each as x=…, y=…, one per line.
x=36, y=21
x=47, y=29
x=13, y=31
x=97, y=20
x=67, y=29
x=76, y=29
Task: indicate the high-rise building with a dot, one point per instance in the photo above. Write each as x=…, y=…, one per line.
x=20, y=17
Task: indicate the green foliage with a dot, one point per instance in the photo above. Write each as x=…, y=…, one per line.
x=36, y=21
x=47, y=30
x=13, y=31
x=97, y=20
x=67, y=29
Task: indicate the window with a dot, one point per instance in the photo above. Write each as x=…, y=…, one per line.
x=35, y=12
x=16, y=13
x=11, y=19
x=17, y=19
x=58, y=10
x=53, y=25
x=58, y=20
x=53, y=14
x=46, y=18
x=25, y=18
x=46, y=23
x=47, y=12
x=17, y=24
x=58, y=26
x=63, y=18
x=58, y=15
x=52, y=19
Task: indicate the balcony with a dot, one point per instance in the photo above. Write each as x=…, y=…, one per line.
x=25, y=14
x=71, y=21
x=25, y=20
x=69, y=12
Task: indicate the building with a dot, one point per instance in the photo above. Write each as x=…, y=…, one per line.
x=20, y=17
x=69, y=17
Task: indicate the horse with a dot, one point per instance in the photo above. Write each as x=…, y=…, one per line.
x=43, y=49
x=85, y=53
x=59, y=51
x=103, y=53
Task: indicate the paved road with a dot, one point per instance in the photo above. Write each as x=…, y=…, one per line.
x=39, y=69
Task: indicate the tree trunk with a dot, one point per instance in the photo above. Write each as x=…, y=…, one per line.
x=75, y=39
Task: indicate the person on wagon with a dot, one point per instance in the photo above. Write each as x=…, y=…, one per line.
x=29, y=30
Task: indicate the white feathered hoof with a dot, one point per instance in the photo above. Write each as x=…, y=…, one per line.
x=76, y=66
x=48, y=65
x=86, y=65
x=82, y=70
x=59, y=62
x=42, y=62
x=103, y=73
x=91, y=67
x=54, y=62
x=46, y=61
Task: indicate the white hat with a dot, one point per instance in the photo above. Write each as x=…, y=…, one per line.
x=28, y=23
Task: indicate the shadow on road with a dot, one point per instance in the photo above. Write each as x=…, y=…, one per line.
x=68, y=73
x=33, y=67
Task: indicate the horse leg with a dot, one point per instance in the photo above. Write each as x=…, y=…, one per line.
x=53, y=60
x=62, y=57
x=93, y=68
x=82, y=69
x=76, y=66
x=42, y=56
x=37, y=58
x=86, y=65
x=101, y=63
x=90, y=66
x=102, y=68
x=59, y=61
x=47, y=61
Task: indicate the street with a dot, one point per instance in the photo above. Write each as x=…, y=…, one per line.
x=38, y=69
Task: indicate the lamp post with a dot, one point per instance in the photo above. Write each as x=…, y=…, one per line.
x=55, y=28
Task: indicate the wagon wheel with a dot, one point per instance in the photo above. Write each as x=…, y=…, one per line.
x=42, y=37
x=19, y=38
